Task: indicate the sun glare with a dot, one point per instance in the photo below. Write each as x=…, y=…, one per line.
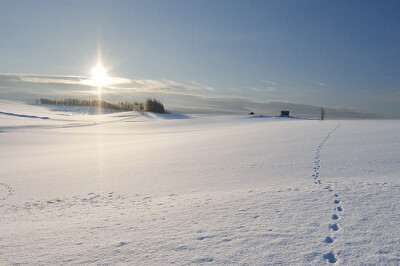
x=100, y=79
x=99, y=76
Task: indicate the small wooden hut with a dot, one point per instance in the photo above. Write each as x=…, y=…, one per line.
x=284, y=113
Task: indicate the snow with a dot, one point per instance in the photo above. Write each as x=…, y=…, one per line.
x=83, y=186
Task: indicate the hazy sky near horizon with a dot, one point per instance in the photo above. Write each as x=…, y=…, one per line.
x=321, y=53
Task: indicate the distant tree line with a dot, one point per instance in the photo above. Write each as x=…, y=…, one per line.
x=151, y=105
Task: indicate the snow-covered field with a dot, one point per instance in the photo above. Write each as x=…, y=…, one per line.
x=80, y=187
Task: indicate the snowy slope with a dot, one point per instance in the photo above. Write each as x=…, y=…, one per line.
x=79, y=186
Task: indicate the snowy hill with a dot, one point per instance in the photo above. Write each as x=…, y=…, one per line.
x=78, y=186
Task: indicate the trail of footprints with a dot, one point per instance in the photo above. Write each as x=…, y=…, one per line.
x=8, y=191
x=331, y=257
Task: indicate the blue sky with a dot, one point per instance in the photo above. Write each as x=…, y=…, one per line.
x=319, y=53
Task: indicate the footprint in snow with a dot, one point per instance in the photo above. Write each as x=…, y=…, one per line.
x=203, y=260
x=8, y=191
x=329, y=240
x=121, y=244
x=330, y=257
x=336, y=201
x=200, y=238
x=334, y=227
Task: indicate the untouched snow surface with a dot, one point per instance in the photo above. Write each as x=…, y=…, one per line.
x=81, y=187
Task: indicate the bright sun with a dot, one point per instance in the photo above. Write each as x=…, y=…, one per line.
x=99, y=76
x=100, y=79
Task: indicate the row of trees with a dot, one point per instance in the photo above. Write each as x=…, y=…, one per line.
x=151, y=105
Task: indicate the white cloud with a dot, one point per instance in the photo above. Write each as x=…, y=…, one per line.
x=269, y=82
x=322, y=84
x=393, y=97
x=49, y=79
x=152, y=85
x=267, y=89
x=164, y=85
x=109, y=82
x=68, y=80
x=202, y=86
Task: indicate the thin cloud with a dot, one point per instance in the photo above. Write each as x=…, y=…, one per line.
x=267, y=89
x=115, y=83
x=152, y=85
x=322, y=84
x=48, y=79
x=32, y=78
x=269, y=82
x=110, y=81
x=202, y=86
x=66, y=80
x=393, y=97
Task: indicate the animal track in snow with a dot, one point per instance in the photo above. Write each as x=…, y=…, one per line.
x=329, y=240
x=6, y=191
x=330, y=257
x=334, y=227
x=336, y=202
